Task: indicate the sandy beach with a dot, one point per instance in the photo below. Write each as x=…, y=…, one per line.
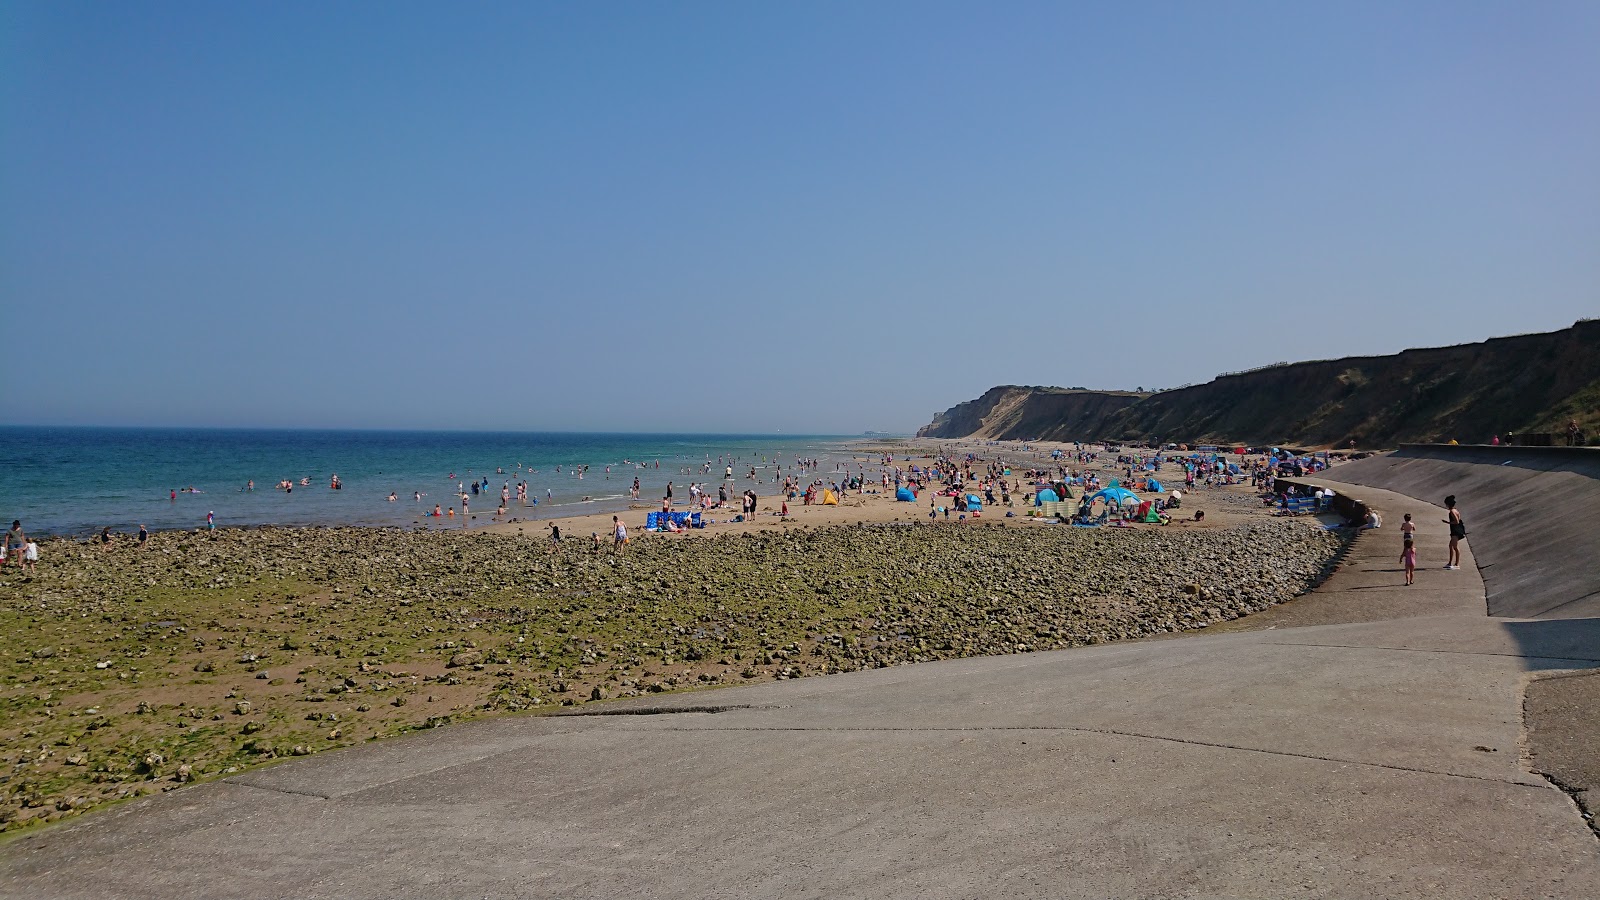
x=873, y=505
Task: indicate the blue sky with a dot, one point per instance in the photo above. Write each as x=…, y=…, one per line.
x=817, y=217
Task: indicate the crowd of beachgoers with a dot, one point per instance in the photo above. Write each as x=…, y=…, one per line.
x=958, y=480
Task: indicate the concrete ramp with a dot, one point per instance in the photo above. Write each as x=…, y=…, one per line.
x=1532, y=514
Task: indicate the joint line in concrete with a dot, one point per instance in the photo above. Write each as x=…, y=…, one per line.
x=1115, y=733
x=281, y=790
x=1582, y=659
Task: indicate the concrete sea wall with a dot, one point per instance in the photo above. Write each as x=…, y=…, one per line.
x=1532, y=517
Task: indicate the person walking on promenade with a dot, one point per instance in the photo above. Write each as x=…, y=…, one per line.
x=1458, y=530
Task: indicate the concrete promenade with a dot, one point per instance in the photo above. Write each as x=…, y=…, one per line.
x=1362, y=742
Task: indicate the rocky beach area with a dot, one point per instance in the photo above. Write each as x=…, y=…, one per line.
x=131, y=670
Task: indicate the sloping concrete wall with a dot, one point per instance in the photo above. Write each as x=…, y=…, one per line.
x=1532, y=516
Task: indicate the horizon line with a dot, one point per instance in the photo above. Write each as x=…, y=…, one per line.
x=399, y=430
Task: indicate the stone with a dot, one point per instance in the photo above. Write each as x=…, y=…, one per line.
x=465, y=658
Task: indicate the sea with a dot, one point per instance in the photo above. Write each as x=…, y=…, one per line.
x=76, y=481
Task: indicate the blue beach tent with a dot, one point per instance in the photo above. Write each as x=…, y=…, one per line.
x=974, y=502
x=1115, y=496
x=1045, y=496
x=1154, y=485
x=904, y=495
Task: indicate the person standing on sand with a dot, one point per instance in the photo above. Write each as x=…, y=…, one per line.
x=620, y=532
x=1458, y=530
x=143, y=535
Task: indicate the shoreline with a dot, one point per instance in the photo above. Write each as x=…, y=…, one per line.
x=874, y=505
x=130, y=477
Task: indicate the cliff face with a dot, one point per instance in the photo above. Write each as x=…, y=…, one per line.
x=1530, y=382
x=1011, y=412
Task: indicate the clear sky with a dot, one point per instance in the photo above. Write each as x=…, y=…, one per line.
x=813, y=217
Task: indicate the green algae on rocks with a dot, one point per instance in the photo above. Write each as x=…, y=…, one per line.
x=128, y=670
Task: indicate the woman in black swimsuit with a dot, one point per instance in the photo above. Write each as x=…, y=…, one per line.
x=1458, y=530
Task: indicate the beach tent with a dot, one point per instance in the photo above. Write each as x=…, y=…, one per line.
x=1045, y=496
x=1115, y=496
x=829, y=498
x=1154, y=485
x=905, y=495
x=974, y=502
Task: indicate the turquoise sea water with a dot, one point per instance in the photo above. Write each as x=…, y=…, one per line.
x=74, y=481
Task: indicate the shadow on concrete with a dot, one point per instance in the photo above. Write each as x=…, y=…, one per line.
x=1557, y=643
